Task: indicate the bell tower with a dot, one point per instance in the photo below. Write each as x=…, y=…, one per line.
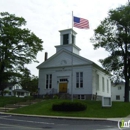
x=68, y=41
x=67, y=37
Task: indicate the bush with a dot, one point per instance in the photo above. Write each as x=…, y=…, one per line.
x=69, y=106
x=55, y=97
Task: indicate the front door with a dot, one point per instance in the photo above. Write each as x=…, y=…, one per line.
x=62, y=87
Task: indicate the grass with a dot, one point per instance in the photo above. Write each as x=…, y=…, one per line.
x=94, y=109
x=12, y=100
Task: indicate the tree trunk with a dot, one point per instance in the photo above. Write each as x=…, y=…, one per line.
x=126, y=74
x=126, y=90
x=1, y=86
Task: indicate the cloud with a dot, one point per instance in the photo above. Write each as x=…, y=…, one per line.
x=46, y=17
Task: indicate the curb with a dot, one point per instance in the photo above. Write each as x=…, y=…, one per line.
x=64, y=117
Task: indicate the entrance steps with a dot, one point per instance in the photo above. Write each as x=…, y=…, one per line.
x=64, y=96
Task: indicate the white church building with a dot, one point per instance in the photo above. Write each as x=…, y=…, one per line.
x=69, y=73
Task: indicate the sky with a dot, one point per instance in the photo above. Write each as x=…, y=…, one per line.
x=46, y=17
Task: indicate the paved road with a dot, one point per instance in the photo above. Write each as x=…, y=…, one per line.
x=9, y=122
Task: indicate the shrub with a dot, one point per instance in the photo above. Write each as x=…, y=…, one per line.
x=69, y=106
x=6, y=91
x=55, y=97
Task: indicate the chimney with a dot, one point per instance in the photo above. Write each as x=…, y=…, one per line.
x=46, y=56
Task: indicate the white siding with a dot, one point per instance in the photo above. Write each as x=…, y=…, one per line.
x=118, y=92
x=106, y=78
x=66, y=72
x=87, y=80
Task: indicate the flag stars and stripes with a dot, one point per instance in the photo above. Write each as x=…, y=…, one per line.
x=81, y=23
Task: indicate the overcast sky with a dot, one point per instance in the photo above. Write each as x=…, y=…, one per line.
x=46, y=17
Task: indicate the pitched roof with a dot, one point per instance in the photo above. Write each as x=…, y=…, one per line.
x=59, y=53
x=88, y=62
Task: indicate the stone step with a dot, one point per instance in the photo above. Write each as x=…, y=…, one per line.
x=4, y=109
x=12, y=106
x=8, y=107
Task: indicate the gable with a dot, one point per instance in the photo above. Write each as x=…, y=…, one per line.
x=17, y=86
x=13, y=86
x=64, y=58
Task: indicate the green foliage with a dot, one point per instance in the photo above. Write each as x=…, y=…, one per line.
x=18, y=46
x=47, y=96
x=55, y=97
x=30, y=83
x=6, y=91
x=69, y=106
x=113, y=34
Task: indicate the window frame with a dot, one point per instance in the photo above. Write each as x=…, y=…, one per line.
x=79, y=79
x=107, y=86
x=48, y=81
x=103, y=84
x=119, y=87
x=81, y=97
x=97, y=82
x=65, y=39
x=118, y=97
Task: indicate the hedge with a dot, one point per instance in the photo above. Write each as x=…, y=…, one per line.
x=69, y=106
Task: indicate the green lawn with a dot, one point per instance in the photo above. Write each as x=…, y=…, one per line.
x=12, y=100
x=94, y=109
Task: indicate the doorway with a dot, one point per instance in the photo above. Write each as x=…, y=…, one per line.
x=62, y=87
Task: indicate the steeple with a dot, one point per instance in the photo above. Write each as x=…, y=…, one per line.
x=67, y=41
x=67, y=37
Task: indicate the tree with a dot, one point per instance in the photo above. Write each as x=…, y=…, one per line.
x=30, y=83
x=113, y=34
x=18, y=46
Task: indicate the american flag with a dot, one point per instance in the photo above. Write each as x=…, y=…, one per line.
x=81, y=23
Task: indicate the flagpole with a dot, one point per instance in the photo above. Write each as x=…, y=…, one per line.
x=72, y=61
x=72, y=20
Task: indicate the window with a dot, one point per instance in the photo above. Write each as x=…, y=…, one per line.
x=108, y=86
x=79, y=79
x=81, y=97
x=119, y=88
x=103, y=87
x=65, y=39
x=78, y=96
x=48, y=81
x=22, y=93
x=117, y=97
x=97, y=81
x=63, y=80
